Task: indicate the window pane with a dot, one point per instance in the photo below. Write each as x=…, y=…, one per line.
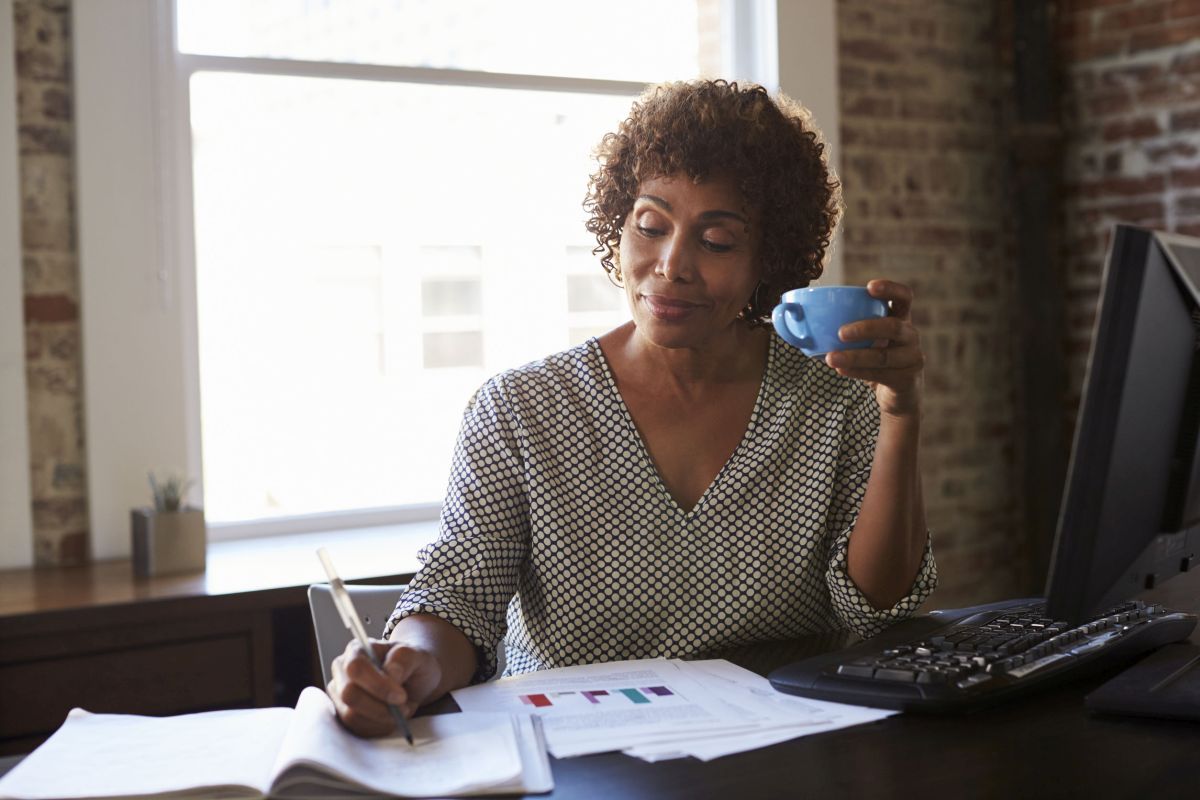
x=632, y=40
x=593, y=293
x=455, y=349
x=350, y=234
x=448, y=298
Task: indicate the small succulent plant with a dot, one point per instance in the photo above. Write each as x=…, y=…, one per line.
x=169, y=491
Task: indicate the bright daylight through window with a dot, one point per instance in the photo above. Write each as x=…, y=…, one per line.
x=369, y=251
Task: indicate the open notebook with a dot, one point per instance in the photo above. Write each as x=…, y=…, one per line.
x=281, y=752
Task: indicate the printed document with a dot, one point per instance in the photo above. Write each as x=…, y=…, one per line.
x=658, y=708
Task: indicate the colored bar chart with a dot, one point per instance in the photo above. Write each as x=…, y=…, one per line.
x=637, y=696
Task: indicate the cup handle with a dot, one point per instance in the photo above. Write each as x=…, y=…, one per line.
x=804, y=340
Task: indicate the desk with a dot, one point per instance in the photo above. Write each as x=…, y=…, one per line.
x=1044, y=745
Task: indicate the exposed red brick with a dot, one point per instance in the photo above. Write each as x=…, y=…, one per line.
x=1188, y=120
x=50, y=308
x=868, y=50
x=1108, y=104
x=1092, y=48
x=937, y=236
x=73, y=549
x=1172, y=151
x=1188, y=205
x=1077, y=6
x=1180, y=9
x=852, y=77
x=1131, y=76
x=1137, y=128
x=1176, y=33
x=1120, y=186
x=869, y=106
x=1133, y=16
x=1188, y=177
x=1145, y=212
x=1189, y=228
x=1186, y=64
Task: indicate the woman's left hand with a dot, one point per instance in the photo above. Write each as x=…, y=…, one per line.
x=893, y=364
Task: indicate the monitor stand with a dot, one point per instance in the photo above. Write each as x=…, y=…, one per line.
x=1164, y=685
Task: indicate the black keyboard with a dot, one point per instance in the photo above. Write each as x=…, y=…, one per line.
x=961, y=659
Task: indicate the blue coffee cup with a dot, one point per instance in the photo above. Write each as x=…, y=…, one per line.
x=809, y=318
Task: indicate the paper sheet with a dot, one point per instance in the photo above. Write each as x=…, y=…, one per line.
x=123, y=755
x=656, y=708
x=451, y=754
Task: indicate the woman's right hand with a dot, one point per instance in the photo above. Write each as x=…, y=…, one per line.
x=361, y=693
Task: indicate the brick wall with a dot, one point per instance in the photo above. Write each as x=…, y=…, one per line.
x=927, y=203
x=1132, y=125
x=51, y=280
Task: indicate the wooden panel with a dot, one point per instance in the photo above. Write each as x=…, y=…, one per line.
x=160, y=679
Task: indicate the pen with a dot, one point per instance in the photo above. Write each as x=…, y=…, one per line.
x=350, y=618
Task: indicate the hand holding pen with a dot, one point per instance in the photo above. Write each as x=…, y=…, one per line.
x=353, y=621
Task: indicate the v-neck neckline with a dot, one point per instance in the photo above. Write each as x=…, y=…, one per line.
x=648, y=461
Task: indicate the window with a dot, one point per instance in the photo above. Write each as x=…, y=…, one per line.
x=369, y=251
x=319, y=226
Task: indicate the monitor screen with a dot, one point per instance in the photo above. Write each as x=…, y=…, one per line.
x=1130, y=515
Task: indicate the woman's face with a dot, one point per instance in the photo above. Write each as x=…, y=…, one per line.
x=687, y=257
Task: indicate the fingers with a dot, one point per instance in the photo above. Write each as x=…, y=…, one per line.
x=361, y=693
x=898, y=296
x=876, y=363
x=887, y=329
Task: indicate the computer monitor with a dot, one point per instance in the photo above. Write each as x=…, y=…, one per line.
x=1130, y=515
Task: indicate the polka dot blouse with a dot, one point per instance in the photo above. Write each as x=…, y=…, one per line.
x=558, y=538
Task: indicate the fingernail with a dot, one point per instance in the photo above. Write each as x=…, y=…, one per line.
x=397, y=698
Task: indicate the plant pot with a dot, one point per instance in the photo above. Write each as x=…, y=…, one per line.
x=168, y=542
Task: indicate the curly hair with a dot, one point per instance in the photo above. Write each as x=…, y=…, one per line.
x=702, y=128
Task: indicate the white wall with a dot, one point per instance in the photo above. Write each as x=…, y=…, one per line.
x=16, y=525
x=808, y=71
x=791, y=45
x=131, y=294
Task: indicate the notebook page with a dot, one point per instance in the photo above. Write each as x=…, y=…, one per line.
x=454, y=754
x=115, y=755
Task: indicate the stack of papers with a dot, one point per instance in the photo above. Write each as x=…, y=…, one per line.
x=657, y=709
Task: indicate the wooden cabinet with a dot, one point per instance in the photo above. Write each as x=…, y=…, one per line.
x=95, y=637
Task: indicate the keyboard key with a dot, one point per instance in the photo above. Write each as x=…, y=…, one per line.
x=974, y=680
x=856, y=670
x=899, y=675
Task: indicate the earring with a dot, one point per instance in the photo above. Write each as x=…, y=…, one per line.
x=749, y=313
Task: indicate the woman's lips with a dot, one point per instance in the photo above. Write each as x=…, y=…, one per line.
x=668, y=308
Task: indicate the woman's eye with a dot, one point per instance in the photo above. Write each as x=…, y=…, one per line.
x=642, y=229
x=717, y=247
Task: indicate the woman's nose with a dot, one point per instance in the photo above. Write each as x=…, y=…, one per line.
x=674, y=261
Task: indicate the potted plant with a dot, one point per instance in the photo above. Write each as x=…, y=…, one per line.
x=170, y=537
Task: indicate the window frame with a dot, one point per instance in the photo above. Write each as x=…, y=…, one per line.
x=136, y=243
x=16, y=512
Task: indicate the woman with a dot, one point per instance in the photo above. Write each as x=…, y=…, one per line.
x=687, y=481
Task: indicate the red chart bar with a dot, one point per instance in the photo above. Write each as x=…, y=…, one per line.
x=536, y=700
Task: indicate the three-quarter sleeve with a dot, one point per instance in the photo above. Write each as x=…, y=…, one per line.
x=469, y=574
x=855, y=457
